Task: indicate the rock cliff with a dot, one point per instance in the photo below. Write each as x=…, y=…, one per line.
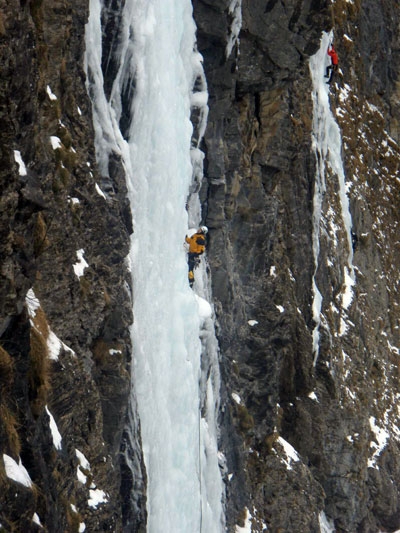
x=338, y=410
x=311, y=440
x=65, y=289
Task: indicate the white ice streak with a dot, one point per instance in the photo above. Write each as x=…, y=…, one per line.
x=327, y=145
x=16, y=471
x=235, y=12
x=18, y=159
x=57, y=439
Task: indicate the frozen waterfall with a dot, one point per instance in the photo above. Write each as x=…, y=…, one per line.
x=327, y=146
x=158, y=68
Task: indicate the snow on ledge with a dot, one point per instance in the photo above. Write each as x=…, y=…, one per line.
x=291, y=454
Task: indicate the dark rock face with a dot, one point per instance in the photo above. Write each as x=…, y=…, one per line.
x=258, y=204
x=48, y=212
x=299, y=438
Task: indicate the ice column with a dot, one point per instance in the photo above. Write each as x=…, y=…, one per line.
x=159, y=66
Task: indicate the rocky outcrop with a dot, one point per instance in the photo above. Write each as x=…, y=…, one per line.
x=258, y=204
x=65, y=345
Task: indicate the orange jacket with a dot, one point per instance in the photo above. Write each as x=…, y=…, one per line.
x=333, y=55
x=197, y=243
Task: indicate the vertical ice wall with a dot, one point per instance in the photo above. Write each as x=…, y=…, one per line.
x=159, y=66
x=327, y=146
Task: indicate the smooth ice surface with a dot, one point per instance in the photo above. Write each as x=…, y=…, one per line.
x=327, y=145
x=159, y=66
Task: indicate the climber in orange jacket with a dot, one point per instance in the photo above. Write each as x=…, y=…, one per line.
x=197, y=246
x=334, y=63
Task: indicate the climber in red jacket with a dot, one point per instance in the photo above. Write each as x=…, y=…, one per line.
x=334, y=63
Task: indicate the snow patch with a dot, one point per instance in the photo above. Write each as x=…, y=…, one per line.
x=54, y=431
x=236, y=398
x=50, y=93
x=16, y=471
x=291, y=454
x=20, y=162
x=382, y=438
x=73, y=200
x=55, y=142
x=32, y=303
x=84, y=463
x=80, y=266
x=36, y=519
x=97, y=497
x=252, y=323
x=100, y=192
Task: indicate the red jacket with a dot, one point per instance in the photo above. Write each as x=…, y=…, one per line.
x=333, y=55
